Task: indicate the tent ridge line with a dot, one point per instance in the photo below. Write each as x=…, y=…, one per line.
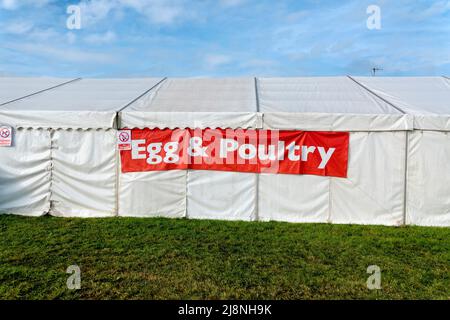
x=40, y=91
x=376, y=95
x=141, y=95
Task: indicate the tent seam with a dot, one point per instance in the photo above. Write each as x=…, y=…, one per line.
x=40, y=91
x=143, y=94
x=376, y=95
x=257, y=175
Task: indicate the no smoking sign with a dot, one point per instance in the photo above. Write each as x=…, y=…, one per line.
x=124, y=139
x=5, y=136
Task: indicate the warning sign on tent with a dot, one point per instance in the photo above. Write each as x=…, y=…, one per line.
x=5, y=136
x=124, y=139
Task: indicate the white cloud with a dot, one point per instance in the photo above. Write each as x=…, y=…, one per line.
x=216, y=60
x=437, y=8
x=9, y=4
x=94, y=11
x=101, y=38
x=17, y=27
x=164, y=12
x=61, y=53
x=71, y=37
x=14, y=4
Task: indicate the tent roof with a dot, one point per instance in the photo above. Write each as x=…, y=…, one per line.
x=427, y=98
x=414, y=95
x=15, y=88
x=200, y=95
x=319, y=94
x=84, y=103
x=315, y=103
x=242, y=102
x=86, y=95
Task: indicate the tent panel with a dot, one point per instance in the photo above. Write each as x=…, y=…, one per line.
x=432, y=122
x=221, y=195
x=293, y=198
x=135, y=119
x=336, y=122
x=319, y=94
x=58, y=119
x=200, y=95
x=15, y=88
x=414, y=95
x=84, y=173
x=428, y=184
x=86, y=95
x=25, y=174
x=153, y=194
x=373, y=193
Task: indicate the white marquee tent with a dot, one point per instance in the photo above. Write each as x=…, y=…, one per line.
x=64, y=160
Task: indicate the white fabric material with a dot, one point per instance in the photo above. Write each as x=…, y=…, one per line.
x=293, y=198
x=318, y=94
x=373, y=192
x=83, y=179
x=221, y=195
x=15, y=88
x=199, y=103
x=427, y=98
x=153, y=194
x=190, y=120
x=337, y=122
x=428, y=189
x=25, y=174
x=414, y=95
x=200, y=95
x=58, y=119
x=432, y=122
x=85, y=103
x=84, y=173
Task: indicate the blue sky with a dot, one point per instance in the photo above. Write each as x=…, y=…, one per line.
x=217, y=38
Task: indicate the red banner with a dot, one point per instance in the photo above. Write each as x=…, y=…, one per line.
x=258, y=151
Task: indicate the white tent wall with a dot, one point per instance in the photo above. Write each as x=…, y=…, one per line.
x=373, y=192
x=84, y=173
x=67, y=173
x=65, y=144
x=293, y=198
x=64, y=158
x=193, y=103
x=25, y=173
x=428, y=169
x=428, y=189
x=153, y=194
x=221, y=195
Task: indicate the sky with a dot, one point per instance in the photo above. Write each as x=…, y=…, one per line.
x=223, y=38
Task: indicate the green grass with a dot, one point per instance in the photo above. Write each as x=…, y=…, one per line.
x=126, y=258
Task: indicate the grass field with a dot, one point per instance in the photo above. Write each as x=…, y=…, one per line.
x=124, y=258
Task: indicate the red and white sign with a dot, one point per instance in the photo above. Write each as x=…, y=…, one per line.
x=5, y=136
x=124, y=139
x=241, y=150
